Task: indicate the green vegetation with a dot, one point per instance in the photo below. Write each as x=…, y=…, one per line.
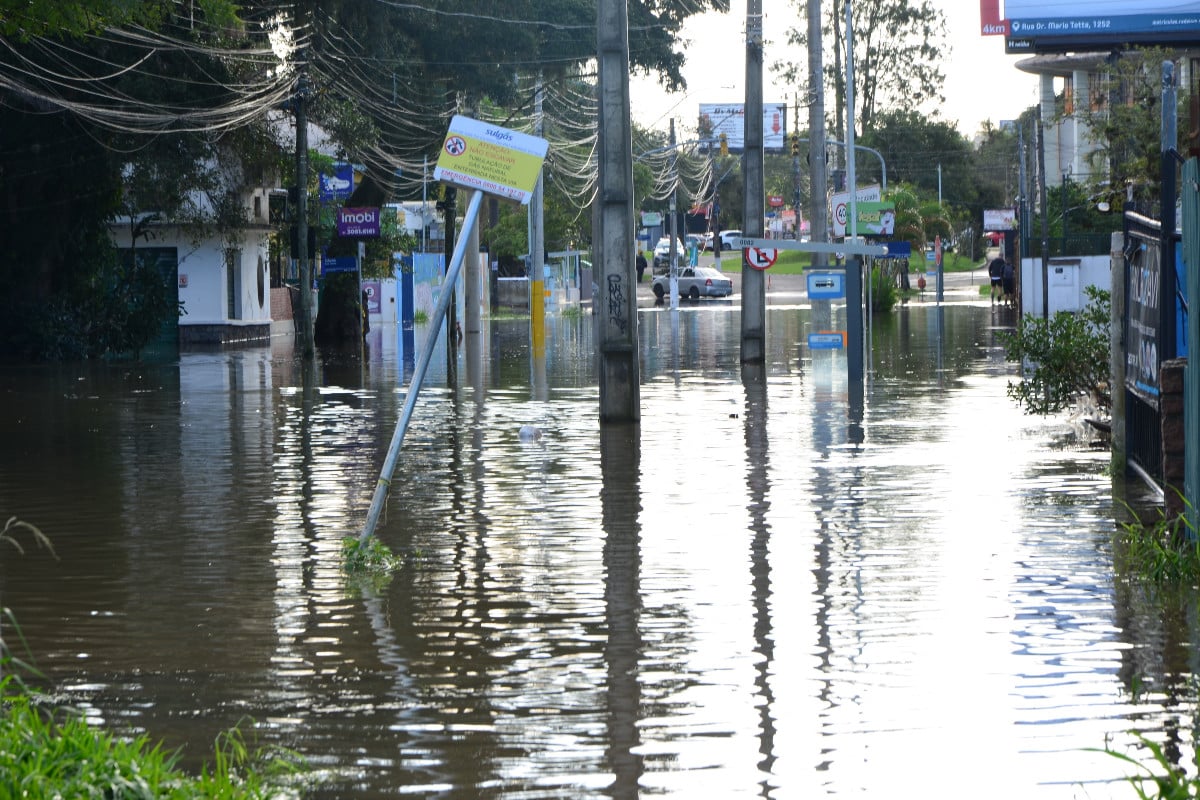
x=48, y=753
x=1160, y=562
x=1065, y=358
x=369, y=565
x=1165, y=553
x=369, y=556
x=884, y=295
x=53, y=754
x=1173, y=783
x=420, y=317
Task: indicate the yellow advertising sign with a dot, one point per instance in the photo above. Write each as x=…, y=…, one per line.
x=479, y=155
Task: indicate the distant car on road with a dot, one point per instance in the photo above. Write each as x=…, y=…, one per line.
x=662, y=255
x=729, y=239
x=694, y=283
x=706, y=241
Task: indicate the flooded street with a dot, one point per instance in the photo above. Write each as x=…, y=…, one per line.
x=768, y=588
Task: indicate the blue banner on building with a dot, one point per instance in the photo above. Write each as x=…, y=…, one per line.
x=337, y=186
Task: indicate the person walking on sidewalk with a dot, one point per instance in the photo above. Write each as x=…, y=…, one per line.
x=1009, y=278
x=996, y=273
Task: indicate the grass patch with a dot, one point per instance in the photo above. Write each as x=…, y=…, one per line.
x=795, y=262
x=369, y=556
x=1165, y=553
x=52, y=754
x=1172, y=782
x=420, y=317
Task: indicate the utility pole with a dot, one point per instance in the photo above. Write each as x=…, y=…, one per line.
x=303, y=257
x=854, y=299
x=818, y=213
x=796, y=165
x=1041, y=164
x=673, y=225
x=754, y=301
x=538, y=242
x=449, y=207
x=537, y=235
x=1167, y=340
x=1023, y=205
x=616, y=302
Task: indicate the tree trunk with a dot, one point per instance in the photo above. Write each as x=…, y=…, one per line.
x=340, y=319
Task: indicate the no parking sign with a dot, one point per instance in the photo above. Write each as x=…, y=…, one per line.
x=761, y=257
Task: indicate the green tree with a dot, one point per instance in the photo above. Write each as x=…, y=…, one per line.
x=928, y=154
x=1125, y=121
x=1064, y=358
x=127, y=152
x=898, y=51
x=25, y=19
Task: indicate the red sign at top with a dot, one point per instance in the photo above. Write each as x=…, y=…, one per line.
x=775, y=200
x=990, y=21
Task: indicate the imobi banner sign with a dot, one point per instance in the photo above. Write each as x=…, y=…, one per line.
x=362, y=223
x=1060, y=25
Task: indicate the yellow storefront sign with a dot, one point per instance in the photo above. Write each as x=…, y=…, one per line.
x=489, y=158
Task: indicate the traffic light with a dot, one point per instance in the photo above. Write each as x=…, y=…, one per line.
x=724, y=145
x=795, y=144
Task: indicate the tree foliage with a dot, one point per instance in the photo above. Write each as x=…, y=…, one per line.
x=1124, y=116
x=158, y=121
x=898, y=50
x=25, y=19
x=1064, y=358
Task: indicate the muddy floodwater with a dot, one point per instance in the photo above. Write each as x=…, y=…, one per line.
x=768, y=588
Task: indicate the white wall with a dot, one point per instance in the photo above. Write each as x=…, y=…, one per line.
x=201, y=274
x=1067, y=278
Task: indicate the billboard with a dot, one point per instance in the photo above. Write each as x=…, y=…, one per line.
x=730, y=119
x=1055, y=26
x=839, y=206
x=999, y=219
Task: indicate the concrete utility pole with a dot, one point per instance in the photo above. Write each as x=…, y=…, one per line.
x=754, y=300
x=673, y=225
x=303, y=257
x=450, y=209
x=1041, y=168
x=818, y=211
x=537, y=231
x=854, y=264
x=616, y=301
x=795, y=137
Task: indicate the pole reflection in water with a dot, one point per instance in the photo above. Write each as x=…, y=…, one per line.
x=758, y=490
x=620, y=503
x=905, y=592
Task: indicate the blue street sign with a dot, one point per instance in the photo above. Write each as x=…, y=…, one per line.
x=827, y=340
x=343, y=264
x=826, y=285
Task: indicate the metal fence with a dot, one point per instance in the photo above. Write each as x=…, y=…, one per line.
x=1082, y=244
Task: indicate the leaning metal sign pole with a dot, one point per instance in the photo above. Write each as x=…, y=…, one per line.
x=486, y=158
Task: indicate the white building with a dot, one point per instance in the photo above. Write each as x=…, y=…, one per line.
x=221, y=278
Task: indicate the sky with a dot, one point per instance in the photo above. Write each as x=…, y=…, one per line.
x=982, y=82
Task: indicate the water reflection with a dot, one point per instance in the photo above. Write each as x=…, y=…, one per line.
x=775, y=585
